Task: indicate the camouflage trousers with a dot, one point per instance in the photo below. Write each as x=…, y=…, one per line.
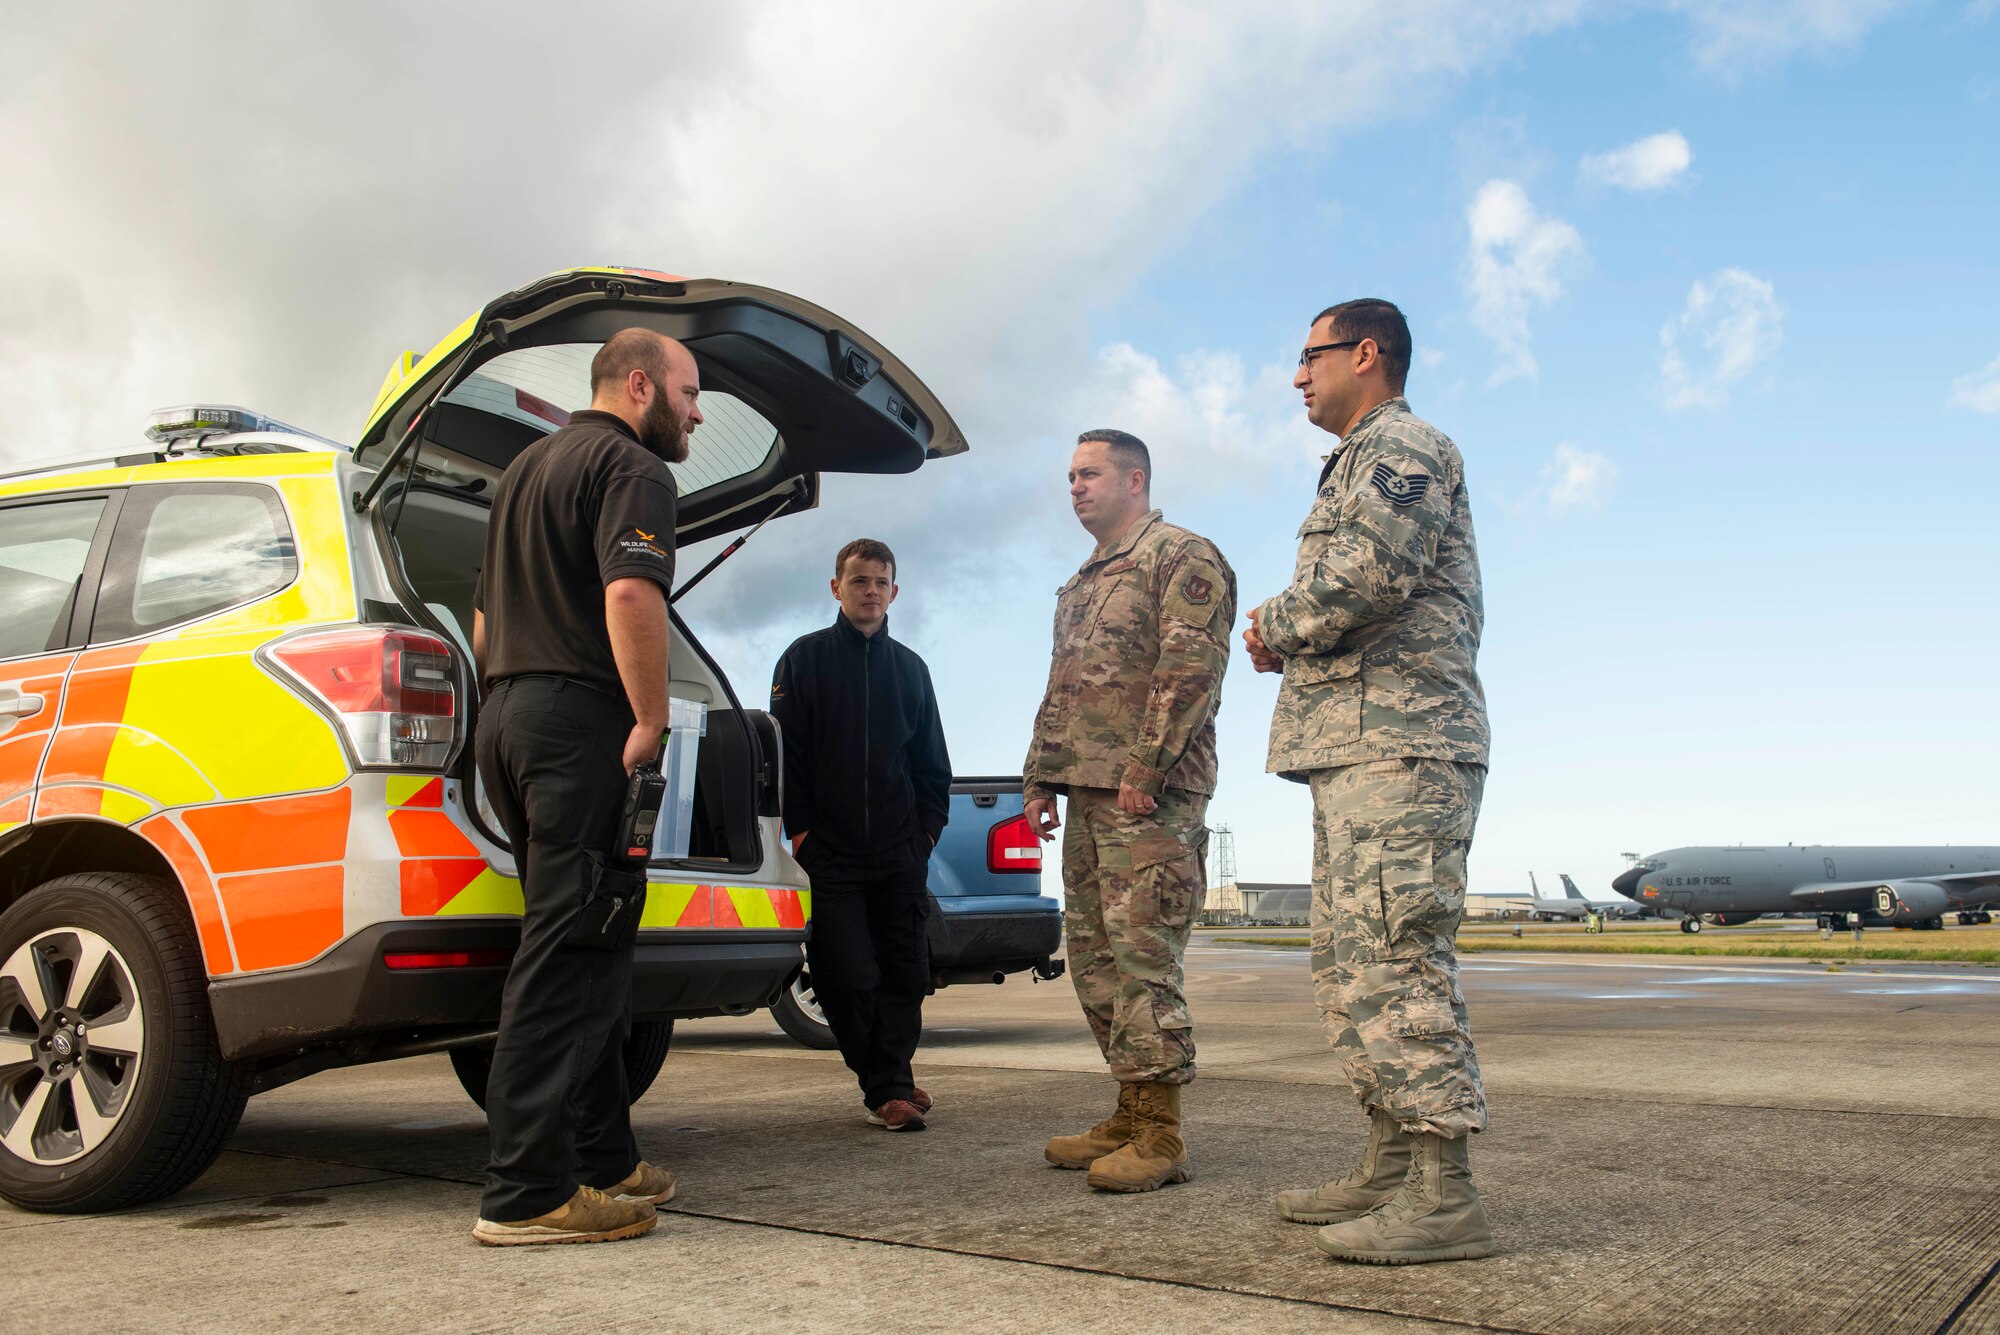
x=1132, y=887
x=1389, y=845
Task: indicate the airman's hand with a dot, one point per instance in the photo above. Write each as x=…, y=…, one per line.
x=1261, y=656
x=1042, y=818
x=1133, y=802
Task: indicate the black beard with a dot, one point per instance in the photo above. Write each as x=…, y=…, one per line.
x=662, y=431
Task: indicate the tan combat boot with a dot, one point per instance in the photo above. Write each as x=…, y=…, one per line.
x=1156, y=1154
x=1384, y=1165
x=1435, y=1216
x=1084, y=1150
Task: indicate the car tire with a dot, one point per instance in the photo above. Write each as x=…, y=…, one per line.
x=645, y=1053
x=798, y=1014
x=134, y=1040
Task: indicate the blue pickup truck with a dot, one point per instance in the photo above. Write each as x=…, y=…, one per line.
x=988, y=923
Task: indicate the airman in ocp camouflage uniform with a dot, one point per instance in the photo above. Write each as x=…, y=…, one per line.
x=1127, y=731
x=1381, y=712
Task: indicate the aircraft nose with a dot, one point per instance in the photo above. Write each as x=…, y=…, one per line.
x=1627, y=884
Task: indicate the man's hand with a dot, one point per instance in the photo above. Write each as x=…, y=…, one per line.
x=1042, y=818
x=1261, y=656
x=1133, y=802
x=798, y=839
x=642, y=746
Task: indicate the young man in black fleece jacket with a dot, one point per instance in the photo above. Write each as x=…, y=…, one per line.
x=867, y=792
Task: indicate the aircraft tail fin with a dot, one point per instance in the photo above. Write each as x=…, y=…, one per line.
x=1533, y=887
x=1569, y=887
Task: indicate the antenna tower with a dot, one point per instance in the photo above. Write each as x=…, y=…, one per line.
x=1222, y=871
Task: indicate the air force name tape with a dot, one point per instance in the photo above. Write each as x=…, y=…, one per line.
x=1398, y=489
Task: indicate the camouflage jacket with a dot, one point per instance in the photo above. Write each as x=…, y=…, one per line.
x=1142, y=640
x=1380, y=625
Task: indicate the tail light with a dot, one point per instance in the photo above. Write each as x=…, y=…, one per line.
x=445, y=959
x=393, y=692
x=1013, y=846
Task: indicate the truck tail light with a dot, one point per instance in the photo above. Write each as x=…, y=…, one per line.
x=393, y=692
x=1011, y=846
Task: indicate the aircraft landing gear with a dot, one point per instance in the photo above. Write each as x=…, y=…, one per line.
x=1690, y=924
x=1827, y=922
x=1966, y=919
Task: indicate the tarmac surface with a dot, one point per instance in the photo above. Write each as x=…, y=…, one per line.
x=1677, y=1145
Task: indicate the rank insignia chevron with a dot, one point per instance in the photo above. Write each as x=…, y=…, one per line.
x=1398, y=489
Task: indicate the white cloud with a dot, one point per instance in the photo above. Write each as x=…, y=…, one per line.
x=1517, y=262
x=1652, y=163
x=943, y=174
x=1731, y=323
x=1730, y=36
x=1979, y=390
x=1575, y=477
x=1208, y=421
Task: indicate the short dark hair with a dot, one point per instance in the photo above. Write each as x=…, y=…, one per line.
x=1372, y=317
x=1128, y=449
x=865, y=549
x=627, y=351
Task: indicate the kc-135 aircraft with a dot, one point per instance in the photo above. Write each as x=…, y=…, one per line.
x=1846, y=887
x=1572, y=906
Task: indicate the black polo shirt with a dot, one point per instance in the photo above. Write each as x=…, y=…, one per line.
x=577, y=509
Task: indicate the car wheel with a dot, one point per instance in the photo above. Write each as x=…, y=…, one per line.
x=112, y=1089
x=798, y=1014
x=645, y=1053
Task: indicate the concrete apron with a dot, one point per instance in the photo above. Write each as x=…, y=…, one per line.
x=1612, y=1215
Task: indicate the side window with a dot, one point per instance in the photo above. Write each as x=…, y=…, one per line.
x=187, y=551
x=42, y=553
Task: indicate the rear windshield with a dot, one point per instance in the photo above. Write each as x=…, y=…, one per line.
x=541, y=387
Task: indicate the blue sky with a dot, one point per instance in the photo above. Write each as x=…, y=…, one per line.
x=1708, y=297
x=1772, y=618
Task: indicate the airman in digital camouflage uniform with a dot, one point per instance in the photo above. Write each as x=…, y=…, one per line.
x=1381, y=712
x=1127, y=731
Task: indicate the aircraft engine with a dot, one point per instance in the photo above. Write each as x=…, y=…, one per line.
x=1909, y=901
x=1731, y=919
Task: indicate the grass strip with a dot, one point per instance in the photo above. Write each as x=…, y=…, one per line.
x=1822, y=952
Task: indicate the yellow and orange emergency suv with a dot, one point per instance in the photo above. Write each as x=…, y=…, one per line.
x=241, y=837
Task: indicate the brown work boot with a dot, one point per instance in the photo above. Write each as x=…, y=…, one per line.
x=1384, y=1165
x=922, y=1101
x=1155, y=1155
x=1434, y=1216
x=654, y=1186
x=588, y=1216
x=1084, y=1150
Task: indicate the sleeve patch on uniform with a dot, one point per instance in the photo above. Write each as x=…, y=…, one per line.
x=1192, y=598
x=1397, y=488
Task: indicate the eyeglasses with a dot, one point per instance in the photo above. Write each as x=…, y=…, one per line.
x=1306, y=357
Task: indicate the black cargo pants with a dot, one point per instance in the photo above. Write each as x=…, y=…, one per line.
x=870, y=959
x=551, y=753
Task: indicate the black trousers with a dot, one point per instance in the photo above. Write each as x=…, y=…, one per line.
x=870, y=961
x=551, y=753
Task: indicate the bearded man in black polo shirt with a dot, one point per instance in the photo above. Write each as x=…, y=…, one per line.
x=570, y=632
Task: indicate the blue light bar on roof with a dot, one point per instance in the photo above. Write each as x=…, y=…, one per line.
x=206, y=419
